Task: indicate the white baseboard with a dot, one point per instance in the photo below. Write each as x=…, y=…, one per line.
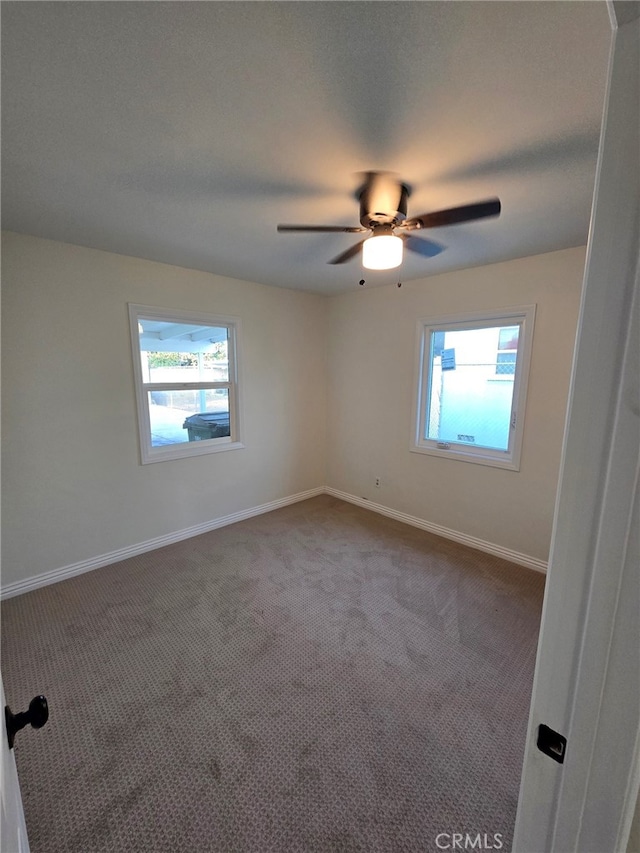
x=473, y=542
x=55, y=575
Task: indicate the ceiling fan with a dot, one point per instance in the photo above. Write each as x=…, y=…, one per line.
x=383, y=208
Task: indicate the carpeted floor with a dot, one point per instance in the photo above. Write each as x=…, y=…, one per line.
x=320, y=678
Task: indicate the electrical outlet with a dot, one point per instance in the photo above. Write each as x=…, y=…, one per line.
x=377, y=482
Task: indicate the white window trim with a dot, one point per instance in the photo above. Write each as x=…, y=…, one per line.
x=509, y=459
x=148, y=453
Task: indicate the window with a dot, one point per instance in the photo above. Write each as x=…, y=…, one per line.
x=185, y=369
x=471, y=387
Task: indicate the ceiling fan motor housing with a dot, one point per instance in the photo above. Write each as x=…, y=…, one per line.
x=383, y=201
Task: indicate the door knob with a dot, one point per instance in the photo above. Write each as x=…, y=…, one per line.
x=37, y=715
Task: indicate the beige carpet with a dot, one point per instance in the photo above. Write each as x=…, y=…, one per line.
x=320, y=678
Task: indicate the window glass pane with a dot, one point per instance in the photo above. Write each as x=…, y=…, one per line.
x=508, y=337
x=506, y=364
x=183, y=352
x=177, y=417
x=468, y=403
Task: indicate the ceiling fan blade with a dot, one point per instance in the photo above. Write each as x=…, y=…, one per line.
x=351, y=252
x=426, y=248
x=322, y=228
x=454, y=215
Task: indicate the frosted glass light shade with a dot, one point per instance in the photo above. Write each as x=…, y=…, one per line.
x=382, y=253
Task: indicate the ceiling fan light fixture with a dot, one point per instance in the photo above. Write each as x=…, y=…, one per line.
x=382, y=252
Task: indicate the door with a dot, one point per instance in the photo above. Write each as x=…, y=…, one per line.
x=587, y=681
x=13, y=832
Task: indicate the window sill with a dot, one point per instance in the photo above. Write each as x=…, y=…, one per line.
x=477, y=458
x=182, y=451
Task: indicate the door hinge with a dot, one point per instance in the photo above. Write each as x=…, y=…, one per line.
x=552, y=743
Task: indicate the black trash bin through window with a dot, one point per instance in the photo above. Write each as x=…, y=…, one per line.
x=207, y=425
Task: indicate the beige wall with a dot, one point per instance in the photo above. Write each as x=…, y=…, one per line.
x=73, y=488
x=371, y=384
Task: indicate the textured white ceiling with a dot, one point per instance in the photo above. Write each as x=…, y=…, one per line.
x=184, y=132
